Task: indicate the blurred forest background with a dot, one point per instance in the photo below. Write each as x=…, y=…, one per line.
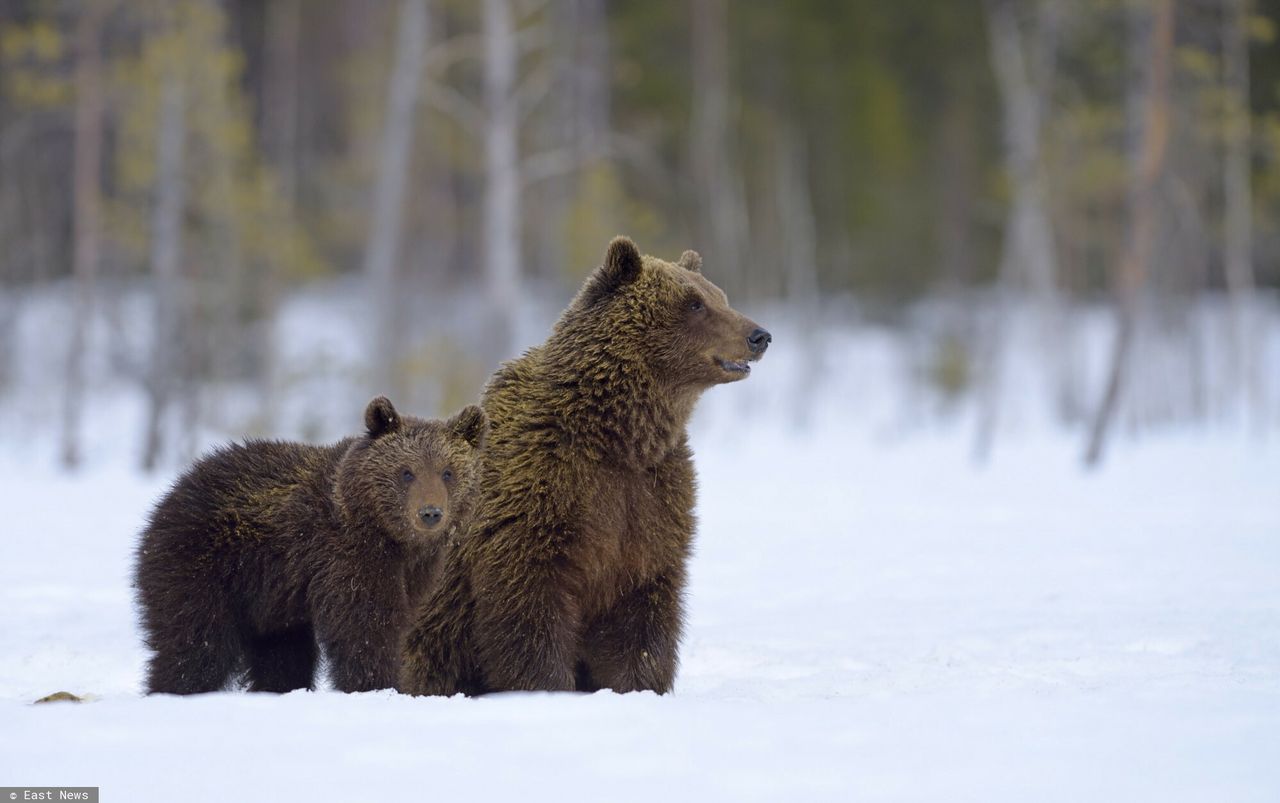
x=976, y=175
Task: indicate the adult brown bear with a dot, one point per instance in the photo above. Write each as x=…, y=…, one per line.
x=575, y=573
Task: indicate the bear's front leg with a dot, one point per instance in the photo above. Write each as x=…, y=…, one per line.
x=366, y=665
x=526, y=623
x=438, y=654
x=363, y=634
x=634, y=646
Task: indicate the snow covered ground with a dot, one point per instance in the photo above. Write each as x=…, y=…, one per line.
x=871, y=617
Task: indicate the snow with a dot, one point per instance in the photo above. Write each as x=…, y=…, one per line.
x=871, y=616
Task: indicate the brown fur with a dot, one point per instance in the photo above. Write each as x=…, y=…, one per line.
x=575, y=575
x=263, y=549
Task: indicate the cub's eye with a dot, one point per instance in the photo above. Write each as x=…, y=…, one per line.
x=406, y=476
x=447, y=475
x=695, y=305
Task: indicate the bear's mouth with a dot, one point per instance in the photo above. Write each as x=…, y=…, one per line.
x=741, y=367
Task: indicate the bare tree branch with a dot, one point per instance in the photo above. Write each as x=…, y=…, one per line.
x=547, y=164
x=460, y=48
x=1153, y=32
x=471, y=46
x=457, y=106
x=533, y=90
x=532, y=37
x=528, y=8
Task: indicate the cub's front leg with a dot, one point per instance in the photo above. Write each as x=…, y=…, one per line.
x=361, y=625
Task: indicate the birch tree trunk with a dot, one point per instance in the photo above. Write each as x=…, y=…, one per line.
x=502, y=173
x=280, y=128
x=382, y=250
x=87, y=202
x=578, y=126
x=799, y=259
x=591, y=79
x=166, y=264
x=11, y=197
x=722, y=208
x=1027, y=260
x=956, y=149
x=1152, y=37
x=227, y=341
x=1238, y=199
x=1028, y=255
x=795, y=213
x=280, y=94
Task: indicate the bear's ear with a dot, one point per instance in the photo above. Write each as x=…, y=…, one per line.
x=691, y=260
x=621, y=267
x=470, y=424
x=380, y=417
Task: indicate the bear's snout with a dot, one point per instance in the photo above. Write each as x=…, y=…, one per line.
x=759, y=340
x=430, y=515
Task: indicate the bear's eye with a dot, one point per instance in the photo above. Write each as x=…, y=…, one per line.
x=406, y=476
x=695, y=305
x=447, y=475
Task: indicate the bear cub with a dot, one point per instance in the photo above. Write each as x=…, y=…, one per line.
x=265, y=553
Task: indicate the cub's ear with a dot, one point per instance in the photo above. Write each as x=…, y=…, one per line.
x=380, y=417
x=691, y=260
x=470, y=424
x=621, y=267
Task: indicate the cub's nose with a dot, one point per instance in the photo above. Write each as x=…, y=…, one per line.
x=758, y=341
x=430, y=515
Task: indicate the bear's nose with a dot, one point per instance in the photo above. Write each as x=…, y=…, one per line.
x=430, y=515
x=758, y=341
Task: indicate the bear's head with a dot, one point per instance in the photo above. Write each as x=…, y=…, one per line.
x=668, y=316
x=413, y=478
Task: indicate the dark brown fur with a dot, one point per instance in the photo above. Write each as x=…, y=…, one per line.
x=575, y=573
x=263, y=551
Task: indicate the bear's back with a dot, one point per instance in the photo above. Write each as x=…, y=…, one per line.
x=249, y=490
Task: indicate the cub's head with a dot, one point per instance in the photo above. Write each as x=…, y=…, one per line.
x=669, y=316
x=413, y=477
